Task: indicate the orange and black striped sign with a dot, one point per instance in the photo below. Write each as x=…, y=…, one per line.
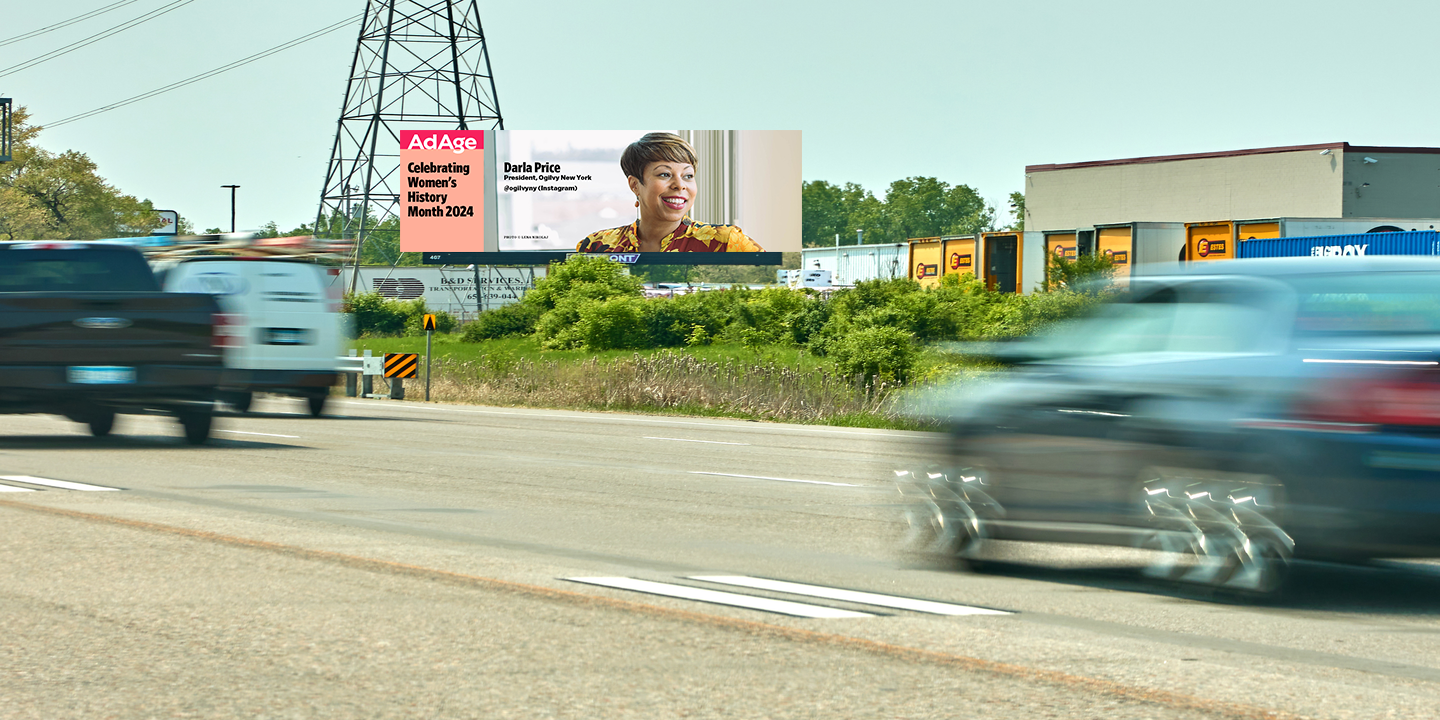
x=402, y=365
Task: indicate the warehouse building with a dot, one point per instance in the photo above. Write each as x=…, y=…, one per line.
x=1201, y=206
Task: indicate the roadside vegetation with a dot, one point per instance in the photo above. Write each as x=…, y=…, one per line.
x=585, y=338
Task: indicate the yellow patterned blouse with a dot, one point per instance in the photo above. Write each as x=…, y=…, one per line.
x=689, y=236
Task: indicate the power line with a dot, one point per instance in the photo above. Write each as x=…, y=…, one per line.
x=97, y=37
x=66, y=23
x=207, y=74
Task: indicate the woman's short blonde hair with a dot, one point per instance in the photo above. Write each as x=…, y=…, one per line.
x=655, y=147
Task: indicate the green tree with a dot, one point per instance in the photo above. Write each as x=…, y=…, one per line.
x=828, y=210
x=46, y=195
x=1017, y=208
x=927, y=207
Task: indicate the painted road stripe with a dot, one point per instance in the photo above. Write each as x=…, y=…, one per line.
x=707, y=442
x=242, y=432
x=62, y=484
x=762, y=477
x=853, y=596
x=12, y=488
x=783, y=607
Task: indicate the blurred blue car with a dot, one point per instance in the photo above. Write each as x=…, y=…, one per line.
x=1232, y=416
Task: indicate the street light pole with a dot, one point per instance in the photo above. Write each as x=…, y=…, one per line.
x=233, y=188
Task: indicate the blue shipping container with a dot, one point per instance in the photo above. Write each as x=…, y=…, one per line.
x=1424, y=242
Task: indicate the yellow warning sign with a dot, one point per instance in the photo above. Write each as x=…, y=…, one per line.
x=429, y=323
x=402, y=365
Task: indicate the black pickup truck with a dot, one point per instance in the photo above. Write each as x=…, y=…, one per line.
x=85, y=332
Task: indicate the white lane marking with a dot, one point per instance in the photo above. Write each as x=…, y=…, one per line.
x=708, y=442
x=893, y=434
x=854, y=596
x=783, y=607
x=62, y=484
x=242, y=432
x=762, y=477
x=12, y=488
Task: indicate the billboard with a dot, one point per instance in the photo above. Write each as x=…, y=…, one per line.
x=449, y=289
x=669, y=197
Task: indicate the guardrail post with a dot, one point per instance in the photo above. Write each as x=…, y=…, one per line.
x=397, y=388
x=350, y=379
x=367, y=382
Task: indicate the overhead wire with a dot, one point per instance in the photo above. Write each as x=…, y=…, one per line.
x=66, y=23
x=209, y=73
x=97, y=37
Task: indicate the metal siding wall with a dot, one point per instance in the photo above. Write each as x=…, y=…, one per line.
x=859, y=262
x=1407, y=243
x=1157, y=243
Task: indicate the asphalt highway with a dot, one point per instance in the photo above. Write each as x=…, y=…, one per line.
x=400, y=559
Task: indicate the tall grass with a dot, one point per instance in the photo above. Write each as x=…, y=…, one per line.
x=673, y=382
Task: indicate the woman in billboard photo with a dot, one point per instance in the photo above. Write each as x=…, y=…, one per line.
x=660, y=168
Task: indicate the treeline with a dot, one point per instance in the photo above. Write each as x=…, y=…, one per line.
x=913, y=207
x=46, y=195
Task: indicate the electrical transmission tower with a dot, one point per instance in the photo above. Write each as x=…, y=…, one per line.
x=418, y=65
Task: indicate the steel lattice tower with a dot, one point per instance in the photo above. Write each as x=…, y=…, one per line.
x=418, y=65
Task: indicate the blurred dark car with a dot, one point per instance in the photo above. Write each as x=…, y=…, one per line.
x=1232, y=416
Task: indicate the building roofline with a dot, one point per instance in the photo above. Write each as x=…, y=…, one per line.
x=1231, y=153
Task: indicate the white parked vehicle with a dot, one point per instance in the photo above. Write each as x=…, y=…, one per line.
x=282, y=324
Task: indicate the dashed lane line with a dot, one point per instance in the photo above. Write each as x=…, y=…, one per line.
x=707, y=442
x=777, y=479
x=61, y=484
x=685, y=592
x=242, y=432
x=853, y=596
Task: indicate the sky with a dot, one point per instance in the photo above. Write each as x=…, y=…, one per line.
x=969, y=92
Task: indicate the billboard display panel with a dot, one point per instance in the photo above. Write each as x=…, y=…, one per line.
x=668, y=197
x=442, y=189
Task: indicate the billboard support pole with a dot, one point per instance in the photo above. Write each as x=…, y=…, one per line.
x=478, y=309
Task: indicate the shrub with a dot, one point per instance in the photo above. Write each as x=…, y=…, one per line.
x=513, y=320
x=617, y=323
x=876, y=353
x=1063, y=274
x=597, y=277
x=376, y=315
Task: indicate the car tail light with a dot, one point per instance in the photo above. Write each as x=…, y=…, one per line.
x=1412, y=400
x=226, y=330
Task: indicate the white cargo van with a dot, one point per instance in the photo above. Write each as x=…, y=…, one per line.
x=282, y=324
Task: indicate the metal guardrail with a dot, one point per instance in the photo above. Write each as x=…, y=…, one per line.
x=350, y=364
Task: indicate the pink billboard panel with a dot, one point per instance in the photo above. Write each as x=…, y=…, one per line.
x=442, y=190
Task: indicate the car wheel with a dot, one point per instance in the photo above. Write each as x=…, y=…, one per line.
x=101, y=422
x=945, y=516
x=1217, y=530
x=316, y=402
x=240, y=400
x=196, y=424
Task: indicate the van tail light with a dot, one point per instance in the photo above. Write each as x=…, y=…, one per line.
x=335, y=291
x=1407, y=400
x=226, y=330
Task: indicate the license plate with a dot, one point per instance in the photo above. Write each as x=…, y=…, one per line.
x=100, y=375
x=287, y=336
